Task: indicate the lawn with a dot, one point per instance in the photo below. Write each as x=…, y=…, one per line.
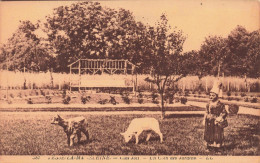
x=25, y=133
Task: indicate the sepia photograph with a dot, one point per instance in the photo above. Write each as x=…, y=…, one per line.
x=130, y=81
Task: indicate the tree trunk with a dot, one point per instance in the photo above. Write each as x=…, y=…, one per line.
x=247, y=88
x=24, y=84
x=206, y=87
x=52, y=85
x=219, y=69
x=162, y=105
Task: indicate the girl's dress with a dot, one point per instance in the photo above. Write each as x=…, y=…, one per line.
x=214, y=133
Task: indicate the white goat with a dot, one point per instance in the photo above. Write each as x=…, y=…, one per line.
x=138, y=125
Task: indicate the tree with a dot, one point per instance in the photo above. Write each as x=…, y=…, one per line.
x=214, y=56
x=165, y=59
x=236, y=55
x=88, y=30
x=253, y=55
x=25, y=50
x=245, y=52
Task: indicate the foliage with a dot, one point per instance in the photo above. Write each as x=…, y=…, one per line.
x=165, y=60
x=154, y=96
x=186, y=93
x=246, y=99
x=233, y=109
x=113, y=100
x=19, y=95
x=169, y=93
x=29, y=101
x=64, y=93
x=140, y=99
x=236, y=55
x=88, y=30
x=103, y=102
x=212, y=57
x=25, y=51
x=85, y=99
x=253, y=100
x=125, y=98
x=11, y=95
x=66, y=99
x=42, y=92
x=228, y=93
x=183, y=100
x=244, y=49
x=49, y=100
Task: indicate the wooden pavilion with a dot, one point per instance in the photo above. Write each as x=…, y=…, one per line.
x=101, y=74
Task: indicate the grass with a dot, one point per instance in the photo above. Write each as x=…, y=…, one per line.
x=32, y=134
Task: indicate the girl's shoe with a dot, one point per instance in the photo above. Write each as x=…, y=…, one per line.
x=209, y=147
x=218, y=150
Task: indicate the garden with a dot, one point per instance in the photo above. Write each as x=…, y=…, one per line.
x=39, y=76
x=31, y=133
x=46, y=88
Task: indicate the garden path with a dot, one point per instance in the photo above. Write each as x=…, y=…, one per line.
x=242, y=110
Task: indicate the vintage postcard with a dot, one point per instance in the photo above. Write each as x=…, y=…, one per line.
x=130, y=81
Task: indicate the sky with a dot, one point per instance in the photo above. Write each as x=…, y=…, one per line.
x=196, y=18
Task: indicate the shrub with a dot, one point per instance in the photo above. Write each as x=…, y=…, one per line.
x=233, y=109
x=102, y=102
x=154, y=96
x=186, y=93
x=29, y=101
x=125, y=98
x=246, y=99
x=253, y=100
x=64, y=93
x=85, y=99
x=170, y=97
x=48, y=98
x=113, y=100
x=183, y=100
x=42, y=92
x=229, y=98
x=177, y=99
x=236, y=94
x=228, y=93
x=140, y=98
x=20, y=94
x=243, y=94
x=66, y=99
x=11, y=95
x=254, y=87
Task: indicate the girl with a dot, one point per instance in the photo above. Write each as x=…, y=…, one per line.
x=215, y=113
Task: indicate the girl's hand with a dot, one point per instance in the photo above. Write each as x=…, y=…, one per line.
x=219, y=119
